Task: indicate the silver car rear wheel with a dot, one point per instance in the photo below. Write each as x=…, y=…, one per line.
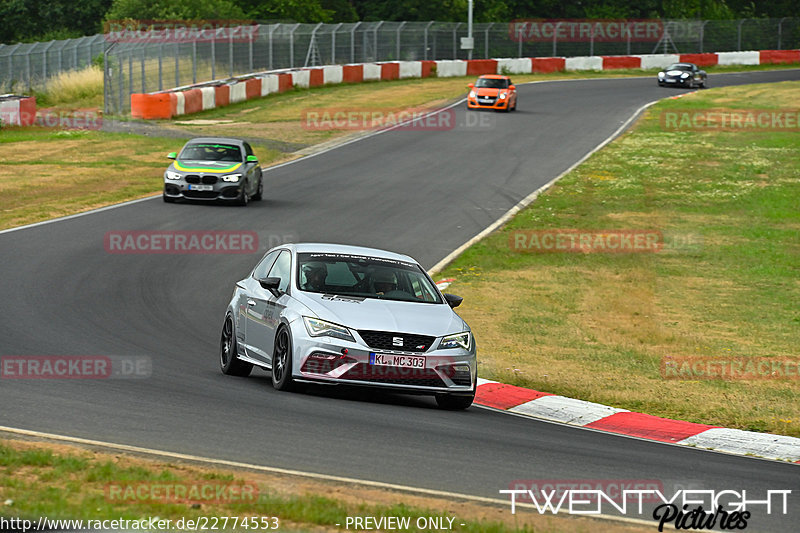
x=228, y=362
x=282, y=361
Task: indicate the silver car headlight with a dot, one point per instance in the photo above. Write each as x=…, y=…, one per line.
x=503, y=96
x=459, y=340
x=172, y=175
x=323, y=328
x=232, y=178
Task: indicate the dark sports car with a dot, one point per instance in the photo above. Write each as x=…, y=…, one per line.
x=683, y=74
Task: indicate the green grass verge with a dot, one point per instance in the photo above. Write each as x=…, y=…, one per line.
x=73, y=484
x=597, y=326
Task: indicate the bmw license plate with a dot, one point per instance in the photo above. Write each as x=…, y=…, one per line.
x=201, y=187
x=404, y=361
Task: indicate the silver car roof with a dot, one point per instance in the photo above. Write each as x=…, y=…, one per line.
x=347, y=249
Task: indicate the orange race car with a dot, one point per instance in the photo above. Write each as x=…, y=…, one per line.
x=492, y=91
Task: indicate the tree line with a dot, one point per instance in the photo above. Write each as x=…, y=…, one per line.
x=34, y=20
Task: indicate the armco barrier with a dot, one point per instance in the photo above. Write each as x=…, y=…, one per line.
x=658, y=60
x=701, y=60
x=612, y=62
x=738, y=58
x=221, y=93
x=584, y=63
x=771, y=57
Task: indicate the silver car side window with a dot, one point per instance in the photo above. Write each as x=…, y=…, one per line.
x=282, y=269
x=260, y=272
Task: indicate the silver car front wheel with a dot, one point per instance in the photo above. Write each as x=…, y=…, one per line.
x=282, y=361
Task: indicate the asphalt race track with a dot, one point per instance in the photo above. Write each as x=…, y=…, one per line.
x=418, y=192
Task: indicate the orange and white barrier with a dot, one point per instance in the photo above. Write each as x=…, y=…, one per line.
x=17, y=110
x=186, y=100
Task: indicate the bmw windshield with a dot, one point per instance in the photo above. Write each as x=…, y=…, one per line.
x=211, y=152
x=364, y=277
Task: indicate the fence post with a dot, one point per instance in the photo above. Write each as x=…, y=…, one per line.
x=144, y=82
x=591, y=40
x=739, y=35
x=455, y=49
x=194, y=61
x=130, y=72
x=291, y=45
x=214, y=56
x=250, y=50
x=44, y=61
x=399, y=29
x=375, y=35
x=702, y=34
x=519, y=41
x=353, y=42
x=427, y=26
x=160, y=67
x=272, y=28
x=106, y=80
x=230, y=53
x=28, y=67
x=333, y=43
x=555, y=38
x=486, y=41
x=780, y=31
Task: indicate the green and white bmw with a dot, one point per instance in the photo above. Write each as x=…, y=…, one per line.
x=214, y=168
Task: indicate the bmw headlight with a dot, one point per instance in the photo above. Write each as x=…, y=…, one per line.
x=459, y=340
x=233, y=178
x=503, y=96
x=685, y=75
x=472, y=94
x=172, y=175
x=660, y=75
x=323, y=328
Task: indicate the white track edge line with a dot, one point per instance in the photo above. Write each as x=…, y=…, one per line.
x=299, y=473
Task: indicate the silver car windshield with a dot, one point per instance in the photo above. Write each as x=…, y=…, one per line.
x=364, y=277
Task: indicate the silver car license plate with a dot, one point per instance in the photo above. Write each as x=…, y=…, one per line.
x=404, y=361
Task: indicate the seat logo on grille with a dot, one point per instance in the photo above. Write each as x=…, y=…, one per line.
x=397, y=341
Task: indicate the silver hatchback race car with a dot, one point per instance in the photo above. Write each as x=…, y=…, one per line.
x=214, y=168
x=349, y=315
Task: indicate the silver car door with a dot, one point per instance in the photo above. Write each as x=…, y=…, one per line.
x=268, y=307
x=249, y=306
